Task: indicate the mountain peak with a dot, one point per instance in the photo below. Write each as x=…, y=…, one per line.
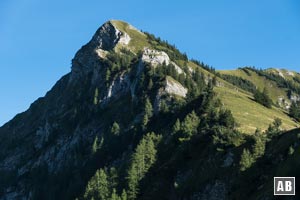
x=115, y=33
x=112, y=35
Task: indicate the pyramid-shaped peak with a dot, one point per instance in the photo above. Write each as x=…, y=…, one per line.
x=114, y=32
x=106, y=37
x=111, y=36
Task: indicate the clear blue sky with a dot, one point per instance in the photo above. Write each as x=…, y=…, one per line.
x=38, y=38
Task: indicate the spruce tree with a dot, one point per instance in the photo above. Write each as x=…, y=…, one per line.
x=148, y=112
x=246, y=160
x=98, y=187
x=295, y=110
x=263, y=98
x=115, y=129
x=142, y=159
x=132, y=182
x=112, y=177
x=176, y=127
x=259, y=146
x=102, y=184
x=114, y=195
x=150, y=84
x=190, y=124
x=226, y=118
x=124, y=195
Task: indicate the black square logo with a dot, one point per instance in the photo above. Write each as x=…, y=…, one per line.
x=284, y=185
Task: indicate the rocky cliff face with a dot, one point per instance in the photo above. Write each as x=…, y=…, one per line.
x=106, y=38
x=59, y=128
x=46, y=136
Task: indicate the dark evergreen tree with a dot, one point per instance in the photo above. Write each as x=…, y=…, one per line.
x=115, y=129
x=142, y=159
x=226, y=118
x=246, y=160
x=274, y=128
x=240, y=82
x=189, y=125
x=150, y=84
x=148, y=112
x=263, y=98
x=294, y=110
x=98, y=186
x=124, y=195
x=176, y=127
x=114, y=195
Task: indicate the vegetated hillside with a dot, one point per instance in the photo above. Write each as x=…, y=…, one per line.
x=283, y=85
x=250, y=114
x=135, y=119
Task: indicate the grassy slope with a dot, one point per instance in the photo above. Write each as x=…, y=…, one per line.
x=260, y=82
x=138, y=39
x=249, y=114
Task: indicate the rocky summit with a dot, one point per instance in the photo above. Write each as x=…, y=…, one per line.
x=136, y=119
